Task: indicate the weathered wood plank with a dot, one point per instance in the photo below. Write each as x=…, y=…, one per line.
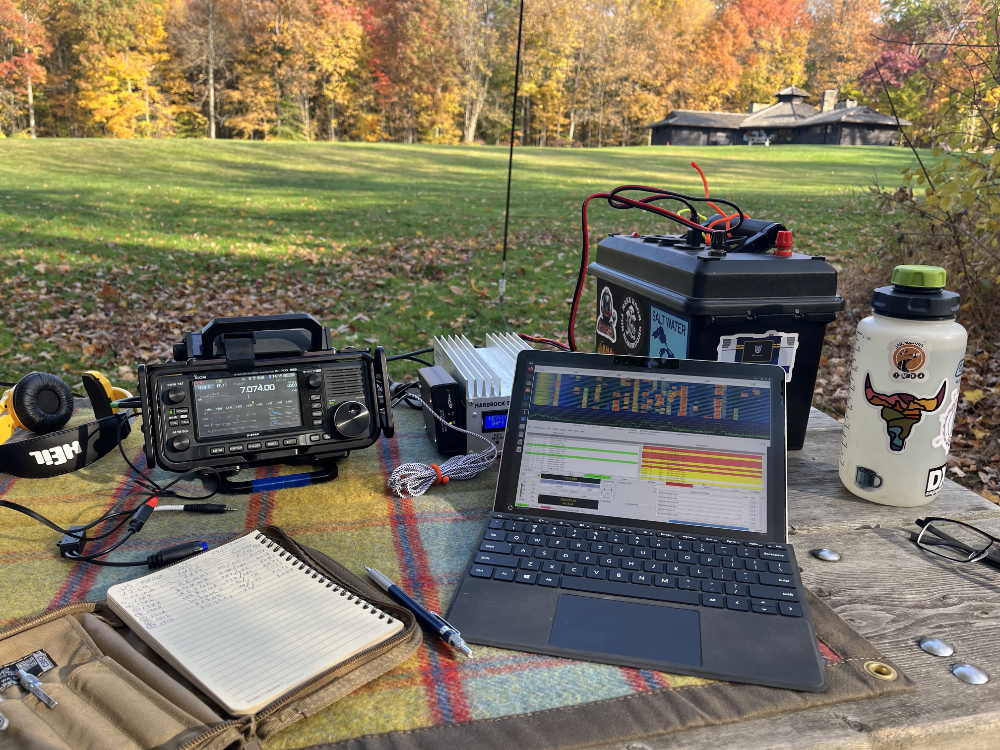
x=893, y=594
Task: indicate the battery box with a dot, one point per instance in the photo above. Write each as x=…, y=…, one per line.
x=657, y=297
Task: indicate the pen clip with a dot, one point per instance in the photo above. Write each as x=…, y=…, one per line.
x=448, y=625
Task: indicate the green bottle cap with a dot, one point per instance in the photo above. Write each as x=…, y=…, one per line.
x=920, y=277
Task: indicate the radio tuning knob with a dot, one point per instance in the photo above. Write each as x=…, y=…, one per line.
x=176, y=394
x=315, y=380
x=179, y=443
x=351, y=419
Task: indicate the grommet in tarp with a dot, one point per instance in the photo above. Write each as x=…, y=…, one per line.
x=880, y=670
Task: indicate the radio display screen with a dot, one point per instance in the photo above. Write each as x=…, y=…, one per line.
x=246, y=404
x=494, y=421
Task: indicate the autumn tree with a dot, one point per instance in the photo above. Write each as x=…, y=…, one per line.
x=842, y=44
x=23, y=40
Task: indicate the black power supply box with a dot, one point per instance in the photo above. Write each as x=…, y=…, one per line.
x=440, y=390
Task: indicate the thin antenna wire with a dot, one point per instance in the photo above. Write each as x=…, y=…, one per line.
x=502, y=285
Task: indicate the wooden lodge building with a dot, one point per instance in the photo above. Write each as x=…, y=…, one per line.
x=789, y=120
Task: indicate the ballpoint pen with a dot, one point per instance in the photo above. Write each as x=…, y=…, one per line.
x=431, y=620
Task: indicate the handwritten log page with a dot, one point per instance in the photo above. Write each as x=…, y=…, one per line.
x=247, y=622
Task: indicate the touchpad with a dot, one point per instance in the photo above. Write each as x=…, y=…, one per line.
x=639, y=631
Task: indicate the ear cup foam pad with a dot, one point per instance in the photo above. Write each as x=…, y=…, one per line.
x=42, y=402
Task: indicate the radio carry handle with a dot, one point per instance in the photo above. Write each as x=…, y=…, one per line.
x=202, y=344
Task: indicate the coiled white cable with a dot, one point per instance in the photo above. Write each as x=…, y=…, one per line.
x=413, y=479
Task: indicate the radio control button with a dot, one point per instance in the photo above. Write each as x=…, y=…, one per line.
x=315, y=380
x=217, y=450
x=290, y=441
x=317, y=423
x=254, y=446
x=314, y=438
x=179, y=443
x=236, y=448
x=272, y=443
x=181, y=410
x=318, y=413
x=351, y=419
x=172, y=423
x=185, y=422
x=327, y=436
x=175, y=395
x=315, y=397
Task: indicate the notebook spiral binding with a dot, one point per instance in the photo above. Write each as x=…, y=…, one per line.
x=274, y=546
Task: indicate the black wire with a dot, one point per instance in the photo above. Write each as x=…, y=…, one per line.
x=657, y=194
x=87, y=558
x=416, y=359
x=154, y=489
x=107, y=563
x=407, y=355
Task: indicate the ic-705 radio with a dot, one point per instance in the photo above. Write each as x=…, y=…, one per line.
x=264, y=390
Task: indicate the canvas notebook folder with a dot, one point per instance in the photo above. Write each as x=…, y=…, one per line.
x=248, y=621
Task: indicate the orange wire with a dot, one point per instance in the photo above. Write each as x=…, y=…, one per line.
x=704, y=182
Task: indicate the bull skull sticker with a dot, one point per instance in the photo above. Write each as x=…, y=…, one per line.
x=902, y=411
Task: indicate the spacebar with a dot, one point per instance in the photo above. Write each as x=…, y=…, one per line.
x=597, y=586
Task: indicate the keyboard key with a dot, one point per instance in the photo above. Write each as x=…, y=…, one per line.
x=553, y=530
x=556, y=542
x=687, y=557
x=665, y=555
x=636, y=541
x=753, y=544
x=495, y=536
x=529, y=564
x=737, y=602
x=712, y=561
x=758, y=565
x=643, y=579
x=550, y=567
x=696, y=571
x=745, y=552
x=492, y=558
x=618, y=538
x=593, y=572
x=789, y=609
x=495, y=523
x=737, y=589
x=543, y=553
x=702, y=548
x=774, y=592
x=501, y=515
x=489, y=546
x=765, y=609
x=629, y=563
x=690, y=584
x=725, y=550
x=768, y=554
x=595, y=536
x=666, y=582
x=565, y=556
x=578, y=545
x=504, y=574
x=677, y=544
x=721, y=574
x=712, y=600
x=651, y=566
x=676, y=569
x=526, y=577
x=608, y=561
x=712, y=587
x=770, y=579
x=745, y=576
x=535, y=540
x=688, y=537
x=776, y=546
x=780, y=567
x=534, y=528
x=620, y=549
x=516, y=537
x=573, y=534
x=618, y=575
x=481, y=571
x=643, y=553
x=600, y=548
x=659, y=543
x=732, y=562
x=522, y=550
x=586, y=558
x=627, y=589
x=513, y=526
x=548, y=580
x=575, y=570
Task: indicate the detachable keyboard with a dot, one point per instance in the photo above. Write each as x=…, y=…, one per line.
x=667, y=567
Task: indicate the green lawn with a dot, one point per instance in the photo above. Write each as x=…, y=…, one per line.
x=111, y=249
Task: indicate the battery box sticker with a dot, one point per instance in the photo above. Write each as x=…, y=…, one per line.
x=668, y=334
x=607, y=316
x=632, y=322
x=770, y=348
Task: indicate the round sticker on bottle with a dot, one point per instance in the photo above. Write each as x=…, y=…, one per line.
x=909, y=358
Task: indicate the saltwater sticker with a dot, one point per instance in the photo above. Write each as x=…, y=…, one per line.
x=902, y=411
x=607, y=317
x=935, y=480
x=770, y=348
x=669, y=334
x=908, y=357
x=632, y=324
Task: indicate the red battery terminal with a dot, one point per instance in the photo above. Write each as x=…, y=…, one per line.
x=783, y=245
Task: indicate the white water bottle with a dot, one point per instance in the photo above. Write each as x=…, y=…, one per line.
x=905, y=377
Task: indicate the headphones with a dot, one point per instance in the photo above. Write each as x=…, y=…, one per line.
x=42, y=403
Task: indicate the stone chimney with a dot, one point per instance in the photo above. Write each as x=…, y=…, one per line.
x=851, y=103
x=757, y=107
x=840, y=105
x=829, y=100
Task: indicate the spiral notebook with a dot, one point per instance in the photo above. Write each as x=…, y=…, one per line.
x=248, y=621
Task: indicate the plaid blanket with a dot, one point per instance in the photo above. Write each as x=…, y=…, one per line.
x=422, y=543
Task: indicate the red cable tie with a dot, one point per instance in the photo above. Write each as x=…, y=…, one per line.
x=441, y=478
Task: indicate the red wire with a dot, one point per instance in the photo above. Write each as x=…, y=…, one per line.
x=543, y=340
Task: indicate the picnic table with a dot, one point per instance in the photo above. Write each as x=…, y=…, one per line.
x=893, y=594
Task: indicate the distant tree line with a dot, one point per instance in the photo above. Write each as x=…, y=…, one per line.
x=441, y=71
